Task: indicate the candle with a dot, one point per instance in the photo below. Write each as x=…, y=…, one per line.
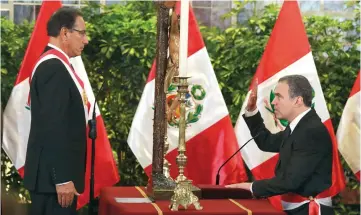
x=183, y=43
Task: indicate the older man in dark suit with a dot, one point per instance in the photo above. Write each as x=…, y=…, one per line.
x=55, y=160
x=304, y=168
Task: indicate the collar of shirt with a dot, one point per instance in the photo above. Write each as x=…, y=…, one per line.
x=294, y=123
x=57, y=48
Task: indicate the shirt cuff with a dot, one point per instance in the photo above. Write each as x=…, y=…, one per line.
x=251, y=113
x=64, y=183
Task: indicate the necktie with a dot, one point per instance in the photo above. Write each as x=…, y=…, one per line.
x=286, y=134
x=287, y=131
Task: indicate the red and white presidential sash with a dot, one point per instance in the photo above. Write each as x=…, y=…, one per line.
x=54, y=53
x=291, y=201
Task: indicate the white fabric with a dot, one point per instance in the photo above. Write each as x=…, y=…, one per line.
x=250, y=113
x=348, y=132
x=294, y=122
x=214, y=109
x=63, y=183
x=292, y=205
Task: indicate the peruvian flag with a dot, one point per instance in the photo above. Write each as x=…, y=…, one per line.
x=17, y=113
x=287, y=53
x=348, y=132
x=210, y=138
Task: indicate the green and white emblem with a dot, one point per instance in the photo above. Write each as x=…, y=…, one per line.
x=194, y=104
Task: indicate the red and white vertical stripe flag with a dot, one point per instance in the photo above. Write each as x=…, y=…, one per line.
x=348, y=132
x=287, y=53
x=210, y=137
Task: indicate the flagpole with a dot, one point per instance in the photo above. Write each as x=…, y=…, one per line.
x=93, y=135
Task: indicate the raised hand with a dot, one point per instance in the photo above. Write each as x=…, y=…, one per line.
x=252, y=100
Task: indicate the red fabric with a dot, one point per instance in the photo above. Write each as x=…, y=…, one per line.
x=265, y=171
x=21, y=172
x=356, y=86
x=38, y=40
x=105, y=170
x=108, y=205
x=313, y=208
x=288, y=31
x=338, y=177
x=358, y=175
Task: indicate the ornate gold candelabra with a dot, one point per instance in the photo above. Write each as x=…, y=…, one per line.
x=183, y=194
x=182, y=158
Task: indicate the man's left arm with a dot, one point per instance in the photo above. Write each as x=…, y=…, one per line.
x=307, y=154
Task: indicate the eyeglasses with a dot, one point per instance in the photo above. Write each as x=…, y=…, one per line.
x=81, y=32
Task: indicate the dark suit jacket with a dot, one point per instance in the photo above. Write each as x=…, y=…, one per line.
x=305, y=157
x=56, y=150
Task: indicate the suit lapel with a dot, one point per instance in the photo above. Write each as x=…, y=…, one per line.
x=304, y=121
x=288, y=139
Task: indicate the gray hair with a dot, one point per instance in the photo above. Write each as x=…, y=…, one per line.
x=299, y=86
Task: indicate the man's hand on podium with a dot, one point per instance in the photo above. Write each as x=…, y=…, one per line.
x=245, y=186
